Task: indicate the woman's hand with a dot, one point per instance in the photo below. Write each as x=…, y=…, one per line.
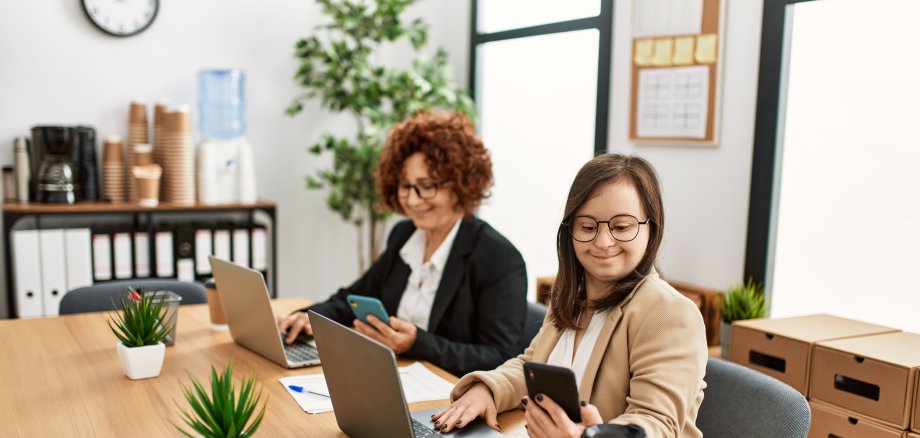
x=294, y=324
x=475, y=402
x=545, y=418
x=399, y=335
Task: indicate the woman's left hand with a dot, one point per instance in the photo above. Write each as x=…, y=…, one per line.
x=545, y=418
x=399, y=335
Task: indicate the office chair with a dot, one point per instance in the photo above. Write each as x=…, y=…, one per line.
x=99, y=297
x=532, y=323
x=741, y=402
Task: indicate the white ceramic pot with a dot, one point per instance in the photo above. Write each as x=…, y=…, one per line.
x=141, y=362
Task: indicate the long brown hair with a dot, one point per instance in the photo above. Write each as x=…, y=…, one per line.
x=568, y=298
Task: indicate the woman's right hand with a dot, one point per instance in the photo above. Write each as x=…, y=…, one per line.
x=476, y=402
x=293, y=324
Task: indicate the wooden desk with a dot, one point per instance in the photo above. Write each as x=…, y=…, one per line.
x=61, y=377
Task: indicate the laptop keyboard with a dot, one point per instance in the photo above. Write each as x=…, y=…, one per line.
x=300, y=351
x=420, y=430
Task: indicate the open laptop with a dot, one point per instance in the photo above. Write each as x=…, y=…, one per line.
x=363, y=383
x=249, y=314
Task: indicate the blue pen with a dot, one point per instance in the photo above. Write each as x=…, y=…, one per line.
x=296, y=388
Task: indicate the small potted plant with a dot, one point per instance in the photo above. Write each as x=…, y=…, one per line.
x=742, y=301
x=222, y=413
x=140, y=328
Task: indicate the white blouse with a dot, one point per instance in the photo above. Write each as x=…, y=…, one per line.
x=562, y=353
x=418, y=297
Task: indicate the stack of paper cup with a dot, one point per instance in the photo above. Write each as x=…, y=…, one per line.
x=113, y=169
x=143, y=154
x=137, y=134
x=178, y=155
x=147, y=179
x=159, y=113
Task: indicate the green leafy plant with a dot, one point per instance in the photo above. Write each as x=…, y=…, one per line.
x=141, y=320
x=339, y=66
x=221, y=413
x=743, y=301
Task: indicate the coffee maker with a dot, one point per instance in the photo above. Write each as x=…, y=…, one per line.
x=54, y=169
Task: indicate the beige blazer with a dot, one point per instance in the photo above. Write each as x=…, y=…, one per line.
x=646, y=369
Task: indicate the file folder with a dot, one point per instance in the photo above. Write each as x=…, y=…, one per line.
x=27, y=267
x=79, y=255
x=102, y=256
x=164, y=254
x=53, y=269
x=241, y=246
x=203, y=248
x=185, y=269
x=222, y=243
x=121, y=242
x=259, y=248
x=141, y=254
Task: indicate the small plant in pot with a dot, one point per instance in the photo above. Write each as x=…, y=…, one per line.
x=742, y=301
x=140, y=327
x=222, y=413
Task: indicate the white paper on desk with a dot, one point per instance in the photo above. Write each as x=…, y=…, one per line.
x=419, y=384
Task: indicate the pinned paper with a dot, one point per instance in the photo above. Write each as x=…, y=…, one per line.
x=706, y=49
x=664, y=48
x=644, y=53
x=683, y=51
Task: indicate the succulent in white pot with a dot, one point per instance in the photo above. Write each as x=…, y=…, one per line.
x=140, y=327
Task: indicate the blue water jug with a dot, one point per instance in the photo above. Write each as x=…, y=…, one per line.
x=221, y=104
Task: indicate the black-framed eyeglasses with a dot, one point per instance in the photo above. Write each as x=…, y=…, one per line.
x=622, y=227
x=424, y=190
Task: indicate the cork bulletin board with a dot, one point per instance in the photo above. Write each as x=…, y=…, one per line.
x=676, y=74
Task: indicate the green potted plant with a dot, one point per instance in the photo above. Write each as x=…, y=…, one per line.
x=140, y=328
x=340, y=65
x=742, y=301
x=223, y=413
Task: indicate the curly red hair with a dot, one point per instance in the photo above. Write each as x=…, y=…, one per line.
x=454, y=153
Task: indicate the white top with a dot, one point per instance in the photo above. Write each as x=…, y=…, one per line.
x=417, y=299
x=562, y=353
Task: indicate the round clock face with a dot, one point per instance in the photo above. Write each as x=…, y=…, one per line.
x=121, y=17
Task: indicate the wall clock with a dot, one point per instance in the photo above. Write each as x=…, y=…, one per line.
x=121, y=18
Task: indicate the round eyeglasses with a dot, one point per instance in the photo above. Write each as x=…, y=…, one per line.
x=622, y=227
x=424, y=190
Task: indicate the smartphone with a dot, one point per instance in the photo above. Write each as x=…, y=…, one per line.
x=362, y=306
x=556, y=382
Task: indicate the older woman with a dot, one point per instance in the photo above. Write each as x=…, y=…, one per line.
x=456, y=286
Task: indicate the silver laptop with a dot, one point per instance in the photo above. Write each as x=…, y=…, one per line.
x=363, y=382
x=249, y=315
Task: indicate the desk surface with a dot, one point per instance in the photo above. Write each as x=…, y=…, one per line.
x=61, y=377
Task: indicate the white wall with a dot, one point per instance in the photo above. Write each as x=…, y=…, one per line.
x=58, y=69
x=706, y=190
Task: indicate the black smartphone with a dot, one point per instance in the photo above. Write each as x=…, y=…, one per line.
x=556, y=382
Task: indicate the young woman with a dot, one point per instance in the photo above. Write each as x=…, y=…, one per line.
x=455, y=288
x=637, y=346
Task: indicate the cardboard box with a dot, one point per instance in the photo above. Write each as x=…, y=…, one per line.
x=913, y=435
x=829, y=421
x=916, y=424
x=872, y=375
x=781, y=347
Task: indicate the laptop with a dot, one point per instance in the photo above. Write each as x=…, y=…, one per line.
x=249, y=314
x=363, y=383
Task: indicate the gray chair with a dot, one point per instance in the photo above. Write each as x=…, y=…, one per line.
x=741, y=402
x=532, y=323
x=99, y=297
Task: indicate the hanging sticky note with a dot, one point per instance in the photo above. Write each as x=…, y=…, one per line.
x=683, y=51
x=706, y=49
x=644, y=52
x=664, y=47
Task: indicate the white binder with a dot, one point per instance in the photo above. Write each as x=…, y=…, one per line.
x=53, y=269
x=202, y=251
x=79, y=254
x=222, y=244
x=141, y=255
x=164, y=249
x=122, y=244
x=102, y=257
x=185, y=270
x=259, y=249
x=241, y=247
x=27, y=268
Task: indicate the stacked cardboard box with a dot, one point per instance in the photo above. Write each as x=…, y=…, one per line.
x=829, y=421
x=782, y=347
x=916, y=423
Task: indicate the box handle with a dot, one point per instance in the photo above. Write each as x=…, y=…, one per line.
x=856, y=387
x=767, y=361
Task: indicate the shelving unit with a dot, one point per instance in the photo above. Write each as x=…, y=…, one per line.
x=45, y=216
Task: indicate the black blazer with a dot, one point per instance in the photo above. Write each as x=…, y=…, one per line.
x=477, y=317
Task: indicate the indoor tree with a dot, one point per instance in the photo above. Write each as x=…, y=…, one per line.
x=339, y=65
